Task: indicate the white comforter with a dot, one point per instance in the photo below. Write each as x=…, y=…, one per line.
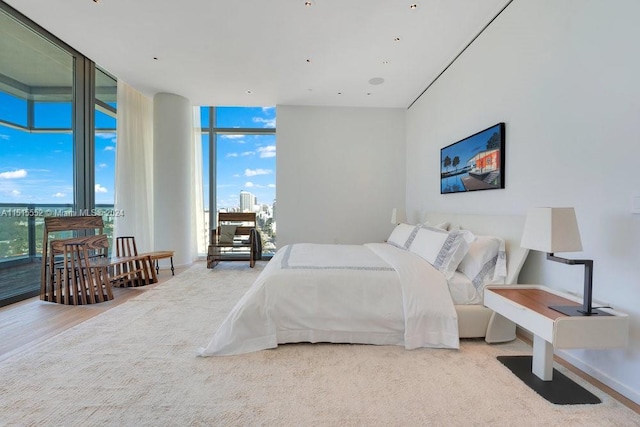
x=365, y=294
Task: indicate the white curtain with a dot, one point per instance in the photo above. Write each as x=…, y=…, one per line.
x=197, y=195
x=134, y=167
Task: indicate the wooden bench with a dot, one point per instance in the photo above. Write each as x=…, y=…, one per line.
x=233, y=239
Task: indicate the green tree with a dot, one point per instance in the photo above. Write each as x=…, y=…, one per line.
x=447, y=162
x=493, y=142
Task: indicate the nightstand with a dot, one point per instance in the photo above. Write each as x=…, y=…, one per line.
x=528, y=307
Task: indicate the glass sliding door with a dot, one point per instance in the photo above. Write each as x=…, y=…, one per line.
x=37, y=166
x=46, y=144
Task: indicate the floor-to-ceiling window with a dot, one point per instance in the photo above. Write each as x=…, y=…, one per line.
x=105, y=148
x=47, y=132
x=239, y=165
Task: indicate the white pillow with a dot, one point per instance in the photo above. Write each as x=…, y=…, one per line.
x=227, y=233
x=442, y=225
x=444, y=250
x=400, y=236
x=485, y=262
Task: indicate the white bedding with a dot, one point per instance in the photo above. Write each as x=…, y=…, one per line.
x=365, y=294
x=462, y=290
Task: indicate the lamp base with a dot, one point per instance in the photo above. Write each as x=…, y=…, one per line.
x=577, y=310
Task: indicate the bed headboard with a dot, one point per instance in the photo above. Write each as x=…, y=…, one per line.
x=508, y=227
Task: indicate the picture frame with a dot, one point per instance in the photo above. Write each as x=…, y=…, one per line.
x=475, y=162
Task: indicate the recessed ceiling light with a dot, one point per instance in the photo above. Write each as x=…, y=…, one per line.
x=413, y=6
x=376, y=81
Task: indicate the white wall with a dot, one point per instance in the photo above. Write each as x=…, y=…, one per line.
x=340, y=171
x=564, y=76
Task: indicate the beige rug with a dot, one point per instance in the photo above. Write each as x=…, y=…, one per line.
x=135, y=365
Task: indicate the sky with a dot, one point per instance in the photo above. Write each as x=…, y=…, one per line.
x=37, y=167
x=244, y=162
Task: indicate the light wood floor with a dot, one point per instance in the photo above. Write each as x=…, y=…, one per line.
x=28, y=323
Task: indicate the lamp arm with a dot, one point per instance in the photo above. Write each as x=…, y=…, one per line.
x=588, y=278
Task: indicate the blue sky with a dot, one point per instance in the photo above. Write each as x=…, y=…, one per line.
x=37, y=167
x=244, y=162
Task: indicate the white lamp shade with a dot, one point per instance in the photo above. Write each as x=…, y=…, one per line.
x=397, y=216
x=551, y=230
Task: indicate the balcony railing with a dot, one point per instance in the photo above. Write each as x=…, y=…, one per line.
x=22, y=227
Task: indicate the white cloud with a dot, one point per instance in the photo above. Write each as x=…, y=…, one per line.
x=267, y=123
x=102, y=165
x=101, y=189
x=19, y=173
x=15, y=193
x=110, y=135
x=4, y=137
x=109, y=148
x=59, y=195
x=271, y=186
x=254, y=172
x=247, y=153
x=249, y=184
x=268, y=151
x=232, y=154
x=239, y=138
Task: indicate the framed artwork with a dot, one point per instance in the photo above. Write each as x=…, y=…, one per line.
x=474, y=163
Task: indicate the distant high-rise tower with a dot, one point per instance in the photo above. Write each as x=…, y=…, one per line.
x=247, y=201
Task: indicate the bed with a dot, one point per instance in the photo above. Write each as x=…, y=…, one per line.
x=408, y=291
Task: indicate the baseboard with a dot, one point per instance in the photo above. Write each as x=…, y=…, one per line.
x=623, y=389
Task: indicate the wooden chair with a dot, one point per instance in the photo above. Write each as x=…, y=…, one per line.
x=75, y=279
x=92, y=225
x=232, y=239
x=135, y=269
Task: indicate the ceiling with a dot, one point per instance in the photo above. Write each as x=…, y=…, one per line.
x=269, y=52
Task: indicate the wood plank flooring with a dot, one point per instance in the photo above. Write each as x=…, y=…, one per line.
x=27, y=323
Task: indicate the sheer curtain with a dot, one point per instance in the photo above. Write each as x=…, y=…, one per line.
x=197, y=195
x=134, y=167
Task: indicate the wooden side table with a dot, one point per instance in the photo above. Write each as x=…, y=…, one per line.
x=157, y=255
x=528, y=307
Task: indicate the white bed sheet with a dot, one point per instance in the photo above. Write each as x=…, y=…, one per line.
x=364, y=294
x=462, y=290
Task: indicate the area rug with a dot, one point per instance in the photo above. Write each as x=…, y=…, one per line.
x=136, y=365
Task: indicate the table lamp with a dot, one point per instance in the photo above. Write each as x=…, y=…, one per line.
x=397, y=216
x=554, y=230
